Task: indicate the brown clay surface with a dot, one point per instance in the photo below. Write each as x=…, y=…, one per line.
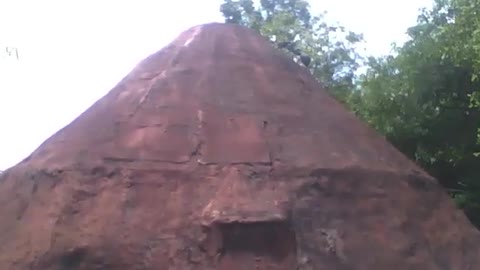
x=218, y=152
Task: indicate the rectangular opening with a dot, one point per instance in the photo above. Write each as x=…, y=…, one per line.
x=255, y=245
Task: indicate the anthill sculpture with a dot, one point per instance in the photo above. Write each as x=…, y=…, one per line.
x=219, y=152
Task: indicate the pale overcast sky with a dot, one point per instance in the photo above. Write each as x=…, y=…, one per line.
x=73, y=52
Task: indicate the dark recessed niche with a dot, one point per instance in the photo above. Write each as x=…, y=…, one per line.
x=72, y=259
x=254, y=245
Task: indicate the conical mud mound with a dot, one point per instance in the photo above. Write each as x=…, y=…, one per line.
x=218, y=152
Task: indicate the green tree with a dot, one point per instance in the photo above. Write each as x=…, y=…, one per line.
x=425, y=98
x=290, y=25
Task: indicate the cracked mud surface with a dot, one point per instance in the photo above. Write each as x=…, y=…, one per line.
x=218, y=152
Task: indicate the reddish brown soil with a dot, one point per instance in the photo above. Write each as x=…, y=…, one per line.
x=219, y=152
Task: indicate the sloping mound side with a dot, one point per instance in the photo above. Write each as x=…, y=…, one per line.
x=223, y=94
x=218, y=152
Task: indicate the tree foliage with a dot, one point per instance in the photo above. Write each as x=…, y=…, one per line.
x=290, y=25
x=425, y=99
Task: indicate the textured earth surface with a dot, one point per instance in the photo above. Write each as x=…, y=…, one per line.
x=219, y=152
